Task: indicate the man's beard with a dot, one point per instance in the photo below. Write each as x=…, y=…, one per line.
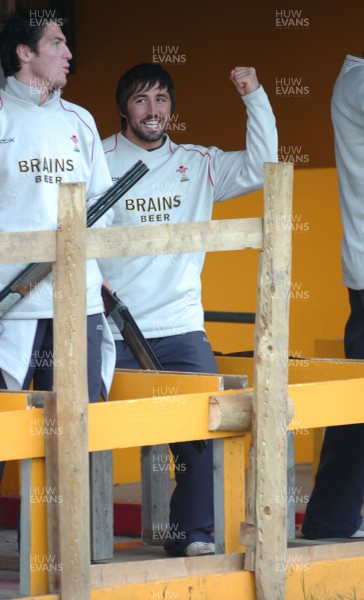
x=148, y=136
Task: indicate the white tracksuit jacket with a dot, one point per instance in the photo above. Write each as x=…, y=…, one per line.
x=347, y=111
x=164, y=292
x=40, y=147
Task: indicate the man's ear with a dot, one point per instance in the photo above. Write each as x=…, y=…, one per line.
x=24, y=53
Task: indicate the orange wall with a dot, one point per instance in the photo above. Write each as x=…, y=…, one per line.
x=319, y=304
x=297, y=55
x=199, y=43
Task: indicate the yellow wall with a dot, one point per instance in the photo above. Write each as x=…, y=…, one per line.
x=319, y=306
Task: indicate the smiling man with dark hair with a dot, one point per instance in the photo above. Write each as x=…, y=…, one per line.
x=164, y=292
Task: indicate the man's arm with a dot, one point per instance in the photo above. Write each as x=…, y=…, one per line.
x=238, y=173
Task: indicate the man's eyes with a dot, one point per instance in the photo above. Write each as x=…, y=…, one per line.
x=162, y=99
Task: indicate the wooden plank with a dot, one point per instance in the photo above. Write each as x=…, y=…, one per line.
x=101, y=505
x=150, y=421
x=291, y=487
x=113, y=424
x=70, y=384
x=234, y=490
x=117, y=574
x=129, y=384
x=156, y=493
x=270, y=382
x=13, y=401
x=25, y=527
x=234, y=412
x=28, y=246
x=230, y=413
x=322, y=404
x=207, y=236
x=219, y=496
x=21, y=434
x=300, y=370
x=35, y=560
x=234, y=585
x=325, y=580
x=52, y=482
x=304, y=551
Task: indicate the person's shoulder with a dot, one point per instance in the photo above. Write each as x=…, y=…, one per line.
x=195, y=151
x=356, y=74
x=78, y=110
x=110, y=143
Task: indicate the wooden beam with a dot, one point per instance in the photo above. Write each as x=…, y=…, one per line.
x=35, y=561
x=70, y=384
x=270, y=384
x=231, y=413
x=234, y=412
x=306, y=551
x=124, y=573
x=208, y=236
x=150, y=421
x=156, y=492
x=163, y=386
x=28, y=246
x=141, y=421
x=101, y=505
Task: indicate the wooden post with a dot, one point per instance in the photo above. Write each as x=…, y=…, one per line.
x=70, y=382
x=156, y=492
x=35, y=562
x=269, y=439
x=101, y=506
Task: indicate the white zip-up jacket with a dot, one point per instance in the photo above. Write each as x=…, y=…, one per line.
x=163, y=292
x=347, y=111
x=40, y=147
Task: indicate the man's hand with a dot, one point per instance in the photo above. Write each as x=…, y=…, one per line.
x=244, y=79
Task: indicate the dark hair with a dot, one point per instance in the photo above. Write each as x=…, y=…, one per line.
x=24, y=26
x=139, y=77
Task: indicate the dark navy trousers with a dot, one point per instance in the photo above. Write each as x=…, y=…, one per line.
x=334, y=509
x=191, y=507
x=41, y=362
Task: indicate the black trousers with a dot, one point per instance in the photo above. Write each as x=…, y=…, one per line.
x=334, y=509
x=192, y=505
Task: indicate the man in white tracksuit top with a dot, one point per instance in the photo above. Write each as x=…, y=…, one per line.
x=164, y=292
x=334, y=509
x=45, y=141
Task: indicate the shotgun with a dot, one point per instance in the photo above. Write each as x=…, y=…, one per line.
x=135, y=340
